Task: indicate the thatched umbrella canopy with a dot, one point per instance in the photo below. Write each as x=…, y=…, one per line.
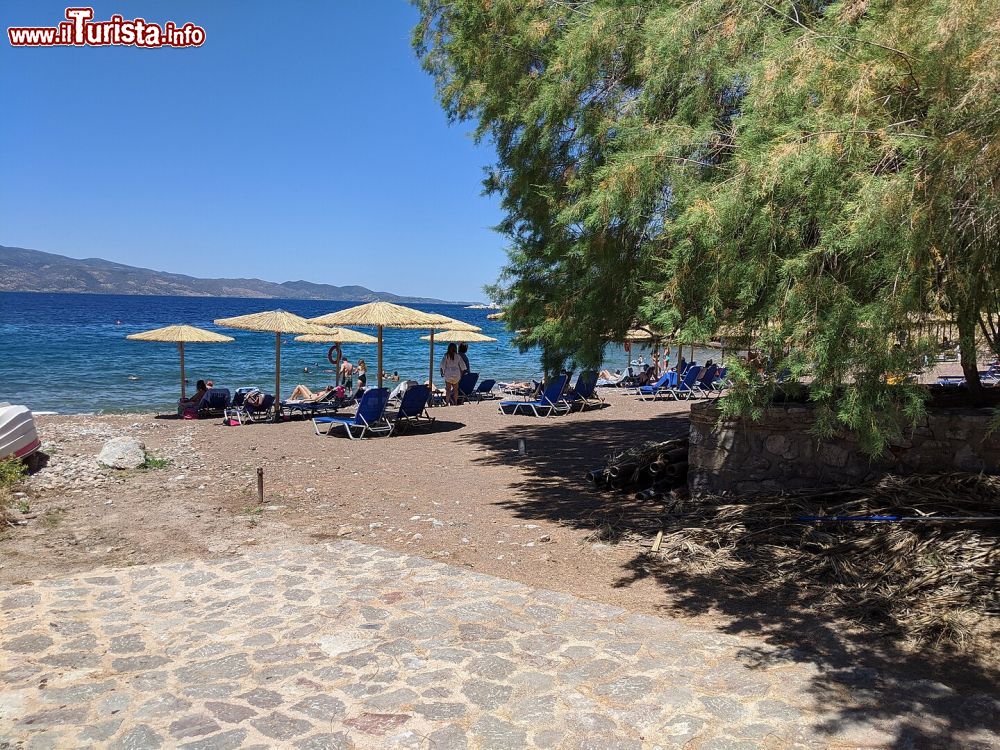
x=460, y=337
x=495, y=316
x=641, y=334
x=382, y=315
x=276, y=322
x=338, y=336
x=180, y=335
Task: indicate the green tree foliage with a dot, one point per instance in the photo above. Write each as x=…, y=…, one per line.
x=813, y=175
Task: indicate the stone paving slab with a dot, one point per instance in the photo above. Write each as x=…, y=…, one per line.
x=347, y=645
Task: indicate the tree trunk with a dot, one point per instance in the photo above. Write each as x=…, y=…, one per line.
x=967, y=349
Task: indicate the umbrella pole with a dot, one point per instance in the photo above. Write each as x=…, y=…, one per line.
x=430, y=373
x=380, y=356
x=180, y=348
x=277, y=375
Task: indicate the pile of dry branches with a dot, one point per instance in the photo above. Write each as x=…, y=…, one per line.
x=926, y=579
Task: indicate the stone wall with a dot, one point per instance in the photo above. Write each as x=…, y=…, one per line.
x=779, y=451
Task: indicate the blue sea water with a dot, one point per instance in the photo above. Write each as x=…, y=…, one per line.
x=68, y=352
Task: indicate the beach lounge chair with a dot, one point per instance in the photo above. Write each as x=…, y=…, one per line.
x=466, y=386
x=329, y=403
x=412, y=407
x=584, y=393
x=654, y=390
x=685, y=389
x=721, y=381
x=550, y=402
x=509, y=389
x=214, y=402
x=244, y=412
x=370, y=417
x=703, y=386
x=484, y=390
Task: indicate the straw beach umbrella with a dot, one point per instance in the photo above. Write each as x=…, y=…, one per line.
x=337, y=336
x=382, y=315
x=180, y=335
x=459, y=337
x=276, y=322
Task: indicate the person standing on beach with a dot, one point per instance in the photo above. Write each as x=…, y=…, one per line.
x=362, y=373
x=452, y=368
x=463, y=352
x=347, y=374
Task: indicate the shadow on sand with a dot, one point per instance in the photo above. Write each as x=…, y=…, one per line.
x=926, y=699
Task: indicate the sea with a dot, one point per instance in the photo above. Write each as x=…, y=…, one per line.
x=68, y=353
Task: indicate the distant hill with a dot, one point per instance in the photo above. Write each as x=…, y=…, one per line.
x=24, y=270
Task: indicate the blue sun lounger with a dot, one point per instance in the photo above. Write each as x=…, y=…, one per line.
x=370, y=417
x=686, y=388
x=214, y=401
x=652, y=392
x=550, y=402
x=413, y=407
x=484, y=390
x=584, y=392
x=467, y=385
x=243, y=412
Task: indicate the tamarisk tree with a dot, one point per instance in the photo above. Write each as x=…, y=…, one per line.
x=813, y=176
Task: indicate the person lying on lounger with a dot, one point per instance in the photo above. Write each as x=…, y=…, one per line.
x=608, y=378
x=302, y=393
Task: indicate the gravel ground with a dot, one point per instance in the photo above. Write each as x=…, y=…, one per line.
x=459, y=493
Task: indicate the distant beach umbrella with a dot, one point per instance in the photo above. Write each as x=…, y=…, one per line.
x=459, y=337
x=276, y=322
x=641, y=334
x=180, y=335
x=338, y=336
x=382, y=315
x=495, y=316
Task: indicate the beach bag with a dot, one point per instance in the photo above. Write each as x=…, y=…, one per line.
x=190, y=412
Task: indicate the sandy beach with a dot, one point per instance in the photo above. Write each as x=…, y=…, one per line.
x=459, y=492
x=340, y=513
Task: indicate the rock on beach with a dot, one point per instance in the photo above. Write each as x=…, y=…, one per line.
x=122, y=453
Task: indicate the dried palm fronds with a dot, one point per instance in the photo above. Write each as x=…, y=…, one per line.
x=927, y=579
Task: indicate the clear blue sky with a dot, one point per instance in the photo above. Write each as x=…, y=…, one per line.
x=303, y=140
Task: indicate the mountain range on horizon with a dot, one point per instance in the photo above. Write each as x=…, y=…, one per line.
x=23, y=270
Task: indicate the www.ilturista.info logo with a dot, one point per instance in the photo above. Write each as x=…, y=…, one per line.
x=79, y=30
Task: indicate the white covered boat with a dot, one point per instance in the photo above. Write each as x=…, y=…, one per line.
x=18, y=436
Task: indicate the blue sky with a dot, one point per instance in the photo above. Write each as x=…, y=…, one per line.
x=303, y=140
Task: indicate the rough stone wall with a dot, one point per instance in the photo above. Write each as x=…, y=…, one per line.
x=779, y=452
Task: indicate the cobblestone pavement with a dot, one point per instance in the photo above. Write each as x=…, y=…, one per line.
x=347, y=645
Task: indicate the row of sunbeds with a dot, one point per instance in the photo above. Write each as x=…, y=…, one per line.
x=375, y=416
x=555, y=398
x=693, y=381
